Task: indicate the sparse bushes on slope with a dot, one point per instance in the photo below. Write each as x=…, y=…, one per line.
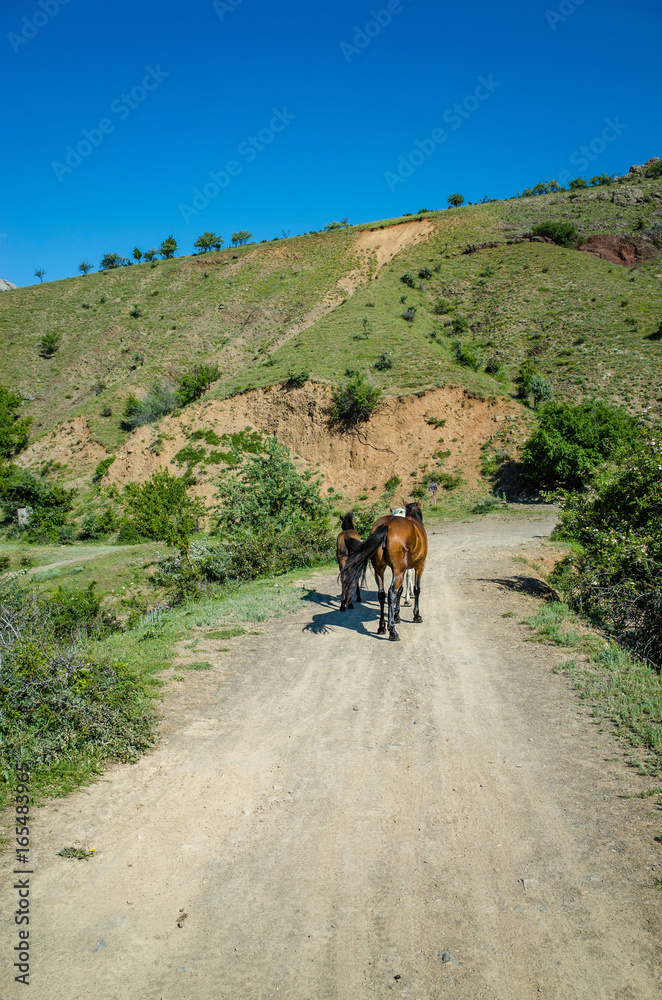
x=570, y=442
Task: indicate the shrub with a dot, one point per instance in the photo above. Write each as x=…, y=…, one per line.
x=577, y=183
x=383, y=362
x=95, y=526
x=409, y=280
x=13, y=428
x=196, y=383
x=160, y=400
x=617, y=577
x=208, y=241
x=424, y=273
x=168, y=248
x=654, y=169
x=60, y=708
x=541, y=390
x=455, y=200
x=391, y=485
x=564, y=234
x=465, y=356
x=162, y=509
x=356, y=401
x=297, y=379
x=49, y=502
x=409, y=314
x=459, y=325
x=110, y=261
x=571, y=441
x=49, y=344
x=102, y=468
x=243, y=236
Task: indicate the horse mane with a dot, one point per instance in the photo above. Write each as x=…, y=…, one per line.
x=348, y=522
x=414, y=510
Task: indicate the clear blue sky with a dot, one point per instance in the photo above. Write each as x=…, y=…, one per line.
x=552, y=81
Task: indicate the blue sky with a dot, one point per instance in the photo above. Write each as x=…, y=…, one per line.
x=318, y=121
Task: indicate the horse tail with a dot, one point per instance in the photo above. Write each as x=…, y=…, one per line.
x=352, y=544
x=356, y=566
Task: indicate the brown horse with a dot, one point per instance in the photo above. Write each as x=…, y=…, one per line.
x=400, y=543
x=347, y=543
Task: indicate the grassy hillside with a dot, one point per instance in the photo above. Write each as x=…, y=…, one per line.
x=583, y=322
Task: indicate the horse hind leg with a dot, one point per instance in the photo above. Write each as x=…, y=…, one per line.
x=408, y=587
x=417, y=594
x=382, y=601
x=359, y=599
x=397, y=604
x=393, y=591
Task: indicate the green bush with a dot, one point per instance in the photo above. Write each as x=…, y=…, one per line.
x=541, y=390
x=159, y=402
x=409, y=280
x=60, y=708
x=577, y=183
x=465, y=356
x=383, y=362
x=409, y=314
x=564, y=234
x=617, y=577
x=654, y=169
x=13, y=428
x=49, y=344
x=50, y=504
x=356, y=401
x=297, y=379
x=196, y=383
x=570, y=442
x=161, y=509
x=102, y=468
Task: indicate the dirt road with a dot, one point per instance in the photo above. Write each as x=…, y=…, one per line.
x=347, y=818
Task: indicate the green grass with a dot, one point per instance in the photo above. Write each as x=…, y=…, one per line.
x=628, y=692
x=548, y=624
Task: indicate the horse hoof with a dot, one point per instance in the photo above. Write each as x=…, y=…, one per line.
x=342, y=607
x=381, y=630
x=397, y=619
x=359, y=599
x=417, y=618
x=393, y=636
x=351, y=607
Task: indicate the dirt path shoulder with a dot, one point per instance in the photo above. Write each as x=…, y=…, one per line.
x=331, y=815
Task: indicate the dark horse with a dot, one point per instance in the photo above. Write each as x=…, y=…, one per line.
x=347, y=543
x=398, y=542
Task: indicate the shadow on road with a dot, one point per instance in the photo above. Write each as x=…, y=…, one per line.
x=363, y=618
x=529, y=585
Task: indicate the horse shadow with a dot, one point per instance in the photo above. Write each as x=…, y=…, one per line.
x=354, y=620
